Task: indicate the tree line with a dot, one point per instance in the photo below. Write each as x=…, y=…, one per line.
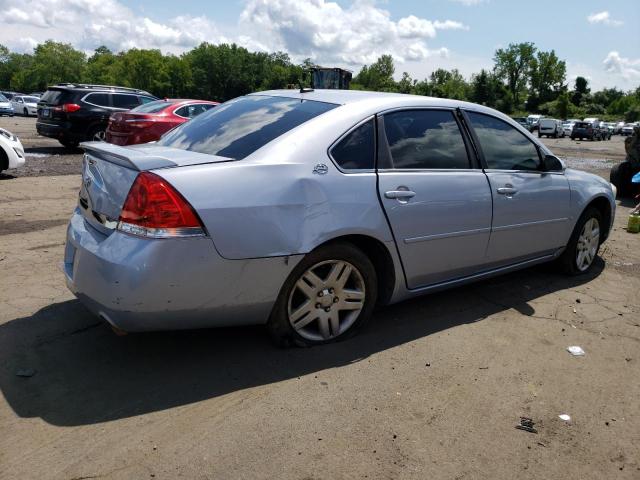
x=523, y=78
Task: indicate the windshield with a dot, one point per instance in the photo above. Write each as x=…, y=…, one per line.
x=3, y=98
x=239, y=127
x=153, y=107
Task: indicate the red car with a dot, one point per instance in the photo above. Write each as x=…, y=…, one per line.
x=148, y=122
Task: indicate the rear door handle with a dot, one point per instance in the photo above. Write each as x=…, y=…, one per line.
x=400, y=194
x=507, y=191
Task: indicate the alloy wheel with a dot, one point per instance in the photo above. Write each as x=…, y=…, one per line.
x=99, y=136
x=588, y=243
x=326, y=300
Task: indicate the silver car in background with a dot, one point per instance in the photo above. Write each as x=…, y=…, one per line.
x=304, y=210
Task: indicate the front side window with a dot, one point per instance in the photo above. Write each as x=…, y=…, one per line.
x=356, y=151
x=504, y=147
x=425, y=139
x=239, y=127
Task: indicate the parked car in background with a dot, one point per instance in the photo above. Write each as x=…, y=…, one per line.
x=9, y=95
x=72, y=113
x=305, y=210
x=36, y=94
x=11, y=150
x=567, y=127
x=605, y=131
x=588, y=130
x=148, y=122
x=25, y=105
x=550, y=127
x=533, y=121
x=627, y=129
x=522, y=121
x=6, y=107
x=618, y=128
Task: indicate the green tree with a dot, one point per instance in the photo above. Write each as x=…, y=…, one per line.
x=55, y=62
x=448, y=84
x=378, y=76
x=513, y=66
x=580, y=89
x=547, y=77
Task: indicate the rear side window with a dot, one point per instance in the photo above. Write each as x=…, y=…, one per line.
x=152, y=107
x=356, y=151
x=504, y=147
x=425, y=139
x=99, y=99
x=56, y=97
x=239, y=127
x=193, y=110
x=124, y=101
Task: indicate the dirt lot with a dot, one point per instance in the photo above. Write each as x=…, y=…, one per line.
x=432, y=389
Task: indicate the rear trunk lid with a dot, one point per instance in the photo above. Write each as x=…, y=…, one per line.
x=49, y=106
x=127, y=122
x=108, y=171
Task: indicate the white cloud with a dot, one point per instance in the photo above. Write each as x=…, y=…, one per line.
x=327, y=32
x=90, y=23
x=603, y=18
x=626, y=68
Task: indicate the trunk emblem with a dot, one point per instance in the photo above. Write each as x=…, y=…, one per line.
x=320, y=169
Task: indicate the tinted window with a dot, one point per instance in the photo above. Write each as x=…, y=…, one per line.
x=124, y=101
x=100, y=99
x=153, y=107
x=55, y=97
x=425, y=139
x=193, y=110
x=239, y=127
x=504, y=147
x=357, y=149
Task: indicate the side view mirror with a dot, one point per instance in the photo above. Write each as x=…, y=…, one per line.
x=553, y=164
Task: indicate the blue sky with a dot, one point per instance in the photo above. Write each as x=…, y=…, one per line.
x=599, y=40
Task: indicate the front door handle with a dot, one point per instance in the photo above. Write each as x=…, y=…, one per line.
x=507, y=191
x=400, y=194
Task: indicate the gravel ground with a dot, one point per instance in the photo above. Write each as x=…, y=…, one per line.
x=433, y=388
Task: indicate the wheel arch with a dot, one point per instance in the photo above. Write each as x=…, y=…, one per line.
x=602, y=204
x=381, y=258
x=4, y=159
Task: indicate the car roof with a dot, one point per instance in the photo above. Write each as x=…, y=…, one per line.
x=381, y=99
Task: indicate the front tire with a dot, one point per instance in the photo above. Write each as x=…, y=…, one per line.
x=328, y=296
x=583, y=246
x=25, y=112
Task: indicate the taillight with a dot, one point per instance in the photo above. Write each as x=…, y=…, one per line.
x=155, y=209
x=137, y=123
x=70, y=107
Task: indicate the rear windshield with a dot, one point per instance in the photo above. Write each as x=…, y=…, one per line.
x=239, y=127
x=582, y=125
x=153, y=107
x=55, y=97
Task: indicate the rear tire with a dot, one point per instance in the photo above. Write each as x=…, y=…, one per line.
x=327, y=297
x=97, y=134
x=583, y=246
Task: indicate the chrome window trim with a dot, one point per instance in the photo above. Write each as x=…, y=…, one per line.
x=83, y=99
x=345, y=134
x=538, y=172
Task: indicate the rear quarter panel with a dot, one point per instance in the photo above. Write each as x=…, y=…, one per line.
x=272, y=203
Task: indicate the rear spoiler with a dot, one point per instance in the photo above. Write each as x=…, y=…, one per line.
x=126, y=157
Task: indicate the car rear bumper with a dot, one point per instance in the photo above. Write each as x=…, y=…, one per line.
x=141, y=284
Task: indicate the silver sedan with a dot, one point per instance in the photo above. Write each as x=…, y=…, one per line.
x=304, y=210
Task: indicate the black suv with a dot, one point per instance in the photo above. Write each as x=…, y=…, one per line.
x=73, y=112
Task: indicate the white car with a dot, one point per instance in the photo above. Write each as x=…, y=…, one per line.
x=25, y=105
x=11, y=150
x=6, y=108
